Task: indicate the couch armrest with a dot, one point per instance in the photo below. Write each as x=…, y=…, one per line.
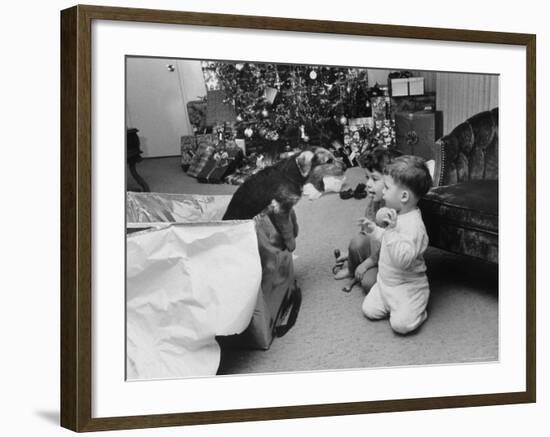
x=469, y=152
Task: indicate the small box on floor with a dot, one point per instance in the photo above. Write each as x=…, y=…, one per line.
x=224, y=161
x=205, y=149
x=188, y=150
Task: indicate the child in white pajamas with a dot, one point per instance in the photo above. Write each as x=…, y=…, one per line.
x=401, y=290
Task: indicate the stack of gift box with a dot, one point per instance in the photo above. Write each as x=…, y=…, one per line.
x=219, y=156
x=211, y=157
x=254, y=162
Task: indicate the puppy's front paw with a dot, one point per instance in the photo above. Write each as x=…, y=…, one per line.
x=290, y=244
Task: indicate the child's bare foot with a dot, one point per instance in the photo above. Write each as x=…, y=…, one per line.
x=342, y=258
x=339, y=266
x=343, y=273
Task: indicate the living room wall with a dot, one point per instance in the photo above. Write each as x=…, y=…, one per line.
x=461, y=95
x=158, y=90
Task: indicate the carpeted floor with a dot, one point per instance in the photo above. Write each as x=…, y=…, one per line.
x=331, y=332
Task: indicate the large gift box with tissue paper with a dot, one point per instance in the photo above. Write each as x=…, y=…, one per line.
x=192, y=278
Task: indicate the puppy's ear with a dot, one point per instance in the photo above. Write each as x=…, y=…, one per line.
x=304, y=162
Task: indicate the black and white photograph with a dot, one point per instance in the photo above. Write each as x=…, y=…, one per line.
x=275, y=218
x=296, y=218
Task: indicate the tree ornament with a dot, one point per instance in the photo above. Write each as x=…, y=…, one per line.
x=239, y=67
x=302, y=131
x=313, y=75
x=270, y=94
x=278, y=82
x=248, y=132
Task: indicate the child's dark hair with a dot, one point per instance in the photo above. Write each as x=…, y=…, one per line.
x=411, y=172
x=378, y=158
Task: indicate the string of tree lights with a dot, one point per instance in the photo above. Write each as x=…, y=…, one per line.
x=292, y=104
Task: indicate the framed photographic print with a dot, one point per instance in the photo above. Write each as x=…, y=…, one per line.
x=268, y=218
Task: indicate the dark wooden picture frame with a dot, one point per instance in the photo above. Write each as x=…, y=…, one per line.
x=76, y=217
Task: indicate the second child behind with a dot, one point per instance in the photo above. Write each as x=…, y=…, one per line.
x=362, y=246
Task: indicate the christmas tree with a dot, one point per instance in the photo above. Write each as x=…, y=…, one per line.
x=288, y=104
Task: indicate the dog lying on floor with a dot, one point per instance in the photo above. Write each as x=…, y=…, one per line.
x=276, y=189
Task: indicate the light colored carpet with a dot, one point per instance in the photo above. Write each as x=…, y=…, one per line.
x=331, y=332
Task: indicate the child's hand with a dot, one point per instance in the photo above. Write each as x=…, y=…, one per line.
x=362, y=269
x=366, y=225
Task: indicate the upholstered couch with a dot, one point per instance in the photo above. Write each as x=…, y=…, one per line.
x=461, y=210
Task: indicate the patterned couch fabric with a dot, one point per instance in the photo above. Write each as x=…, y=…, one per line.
x=461, y=211
x=471, y=150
